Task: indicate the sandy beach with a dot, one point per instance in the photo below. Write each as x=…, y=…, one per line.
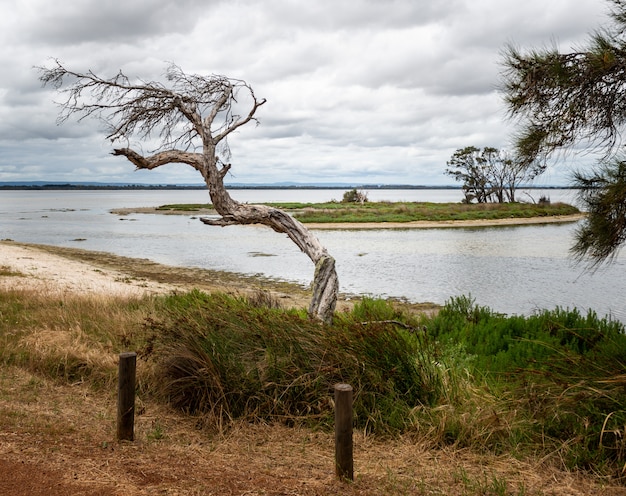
x=29, y=267
x=59, y=270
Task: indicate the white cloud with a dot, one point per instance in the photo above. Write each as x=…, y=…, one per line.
x=362, y=91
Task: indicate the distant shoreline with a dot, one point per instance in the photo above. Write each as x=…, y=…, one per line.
x=36, y=186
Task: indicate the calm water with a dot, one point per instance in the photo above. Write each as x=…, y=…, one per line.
x=510, y=269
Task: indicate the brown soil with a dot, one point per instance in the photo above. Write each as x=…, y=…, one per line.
x=59, y=439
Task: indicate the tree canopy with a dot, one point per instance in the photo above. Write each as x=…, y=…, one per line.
x=577, y=98
x=489, y=174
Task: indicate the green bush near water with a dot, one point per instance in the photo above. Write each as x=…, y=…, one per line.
x=551, y=383
x=224, y=357
x=565, y=370
x=502, y=343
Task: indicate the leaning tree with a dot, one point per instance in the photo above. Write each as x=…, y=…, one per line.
x=191, y=117
x=578, y=97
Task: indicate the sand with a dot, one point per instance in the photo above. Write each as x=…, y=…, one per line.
x=32, y=268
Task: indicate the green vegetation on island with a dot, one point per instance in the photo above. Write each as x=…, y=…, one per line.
x=341, y=212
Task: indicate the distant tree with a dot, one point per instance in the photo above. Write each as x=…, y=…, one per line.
x=467, y=165
x=355, y=196
x=489, y=175
x=191, y=116
x=578, y=97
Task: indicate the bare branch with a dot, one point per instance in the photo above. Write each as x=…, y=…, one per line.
x=224, y=170
x=192, y=113
x=221, y=222
x=161, y=158
x=236, y=123
x=148, y=109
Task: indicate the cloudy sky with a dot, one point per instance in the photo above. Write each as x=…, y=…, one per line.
x=358, y=91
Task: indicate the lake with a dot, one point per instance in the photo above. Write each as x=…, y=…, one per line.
x=514, y=270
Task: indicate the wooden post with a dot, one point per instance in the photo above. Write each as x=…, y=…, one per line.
x=126, y=396
x=344, y=465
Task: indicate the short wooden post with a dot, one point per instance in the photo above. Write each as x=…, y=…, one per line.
x=126, y=396
x=344, y=465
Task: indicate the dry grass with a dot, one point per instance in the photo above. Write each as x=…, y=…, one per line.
x=70, y=429
x=58, y=414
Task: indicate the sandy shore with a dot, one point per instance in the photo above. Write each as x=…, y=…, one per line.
x=513, y=221
x=29, y=267
x=59, y=270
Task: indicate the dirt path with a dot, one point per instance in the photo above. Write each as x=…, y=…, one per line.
x=59, y=440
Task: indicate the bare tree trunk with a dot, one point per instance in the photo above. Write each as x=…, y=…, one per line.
x=192, y=109
x=325, y=281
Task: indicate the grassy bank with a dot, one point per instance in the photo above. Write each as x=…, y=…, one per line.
x=337, y=212
x=549, y=388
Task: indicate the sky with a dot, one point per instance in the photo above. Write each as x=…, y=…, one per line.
x=358, y=91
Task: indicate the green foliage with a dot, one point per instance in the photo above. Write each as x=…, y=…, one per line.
x=186, y=207
x=503, y=344
x=422, y=211
x=221, y=357
x=409, y=211
x=489, y=174
x=567, y=372
x=576, y=98
x=603, y=231
x=354, y=196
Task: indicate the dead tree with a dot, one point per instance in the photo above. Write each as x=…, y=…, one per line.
x=191, y=117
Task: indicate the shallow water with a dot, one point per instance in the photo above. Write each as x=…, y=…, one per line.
x=511, y=269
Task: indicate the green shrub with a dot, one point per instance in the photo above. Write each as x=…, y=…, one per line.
x=566, y=372
x=354, y=196
x=222, y=357
x=507, y=343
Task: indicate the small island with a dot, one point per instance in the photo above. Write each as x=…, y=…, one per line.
x=396, y=215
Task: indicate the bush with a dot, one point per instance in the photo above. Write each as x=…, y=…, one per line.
x=354, y=196
x=223, y=358
x=566, y=372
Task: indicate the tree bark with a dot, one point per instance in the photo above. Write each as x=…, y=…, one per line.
x=325, y=281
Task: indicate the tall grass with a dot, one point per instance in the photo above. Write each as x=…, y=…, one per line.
x=221, y=356
x=564, y=371
x=550, y=386
x=69, y=338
